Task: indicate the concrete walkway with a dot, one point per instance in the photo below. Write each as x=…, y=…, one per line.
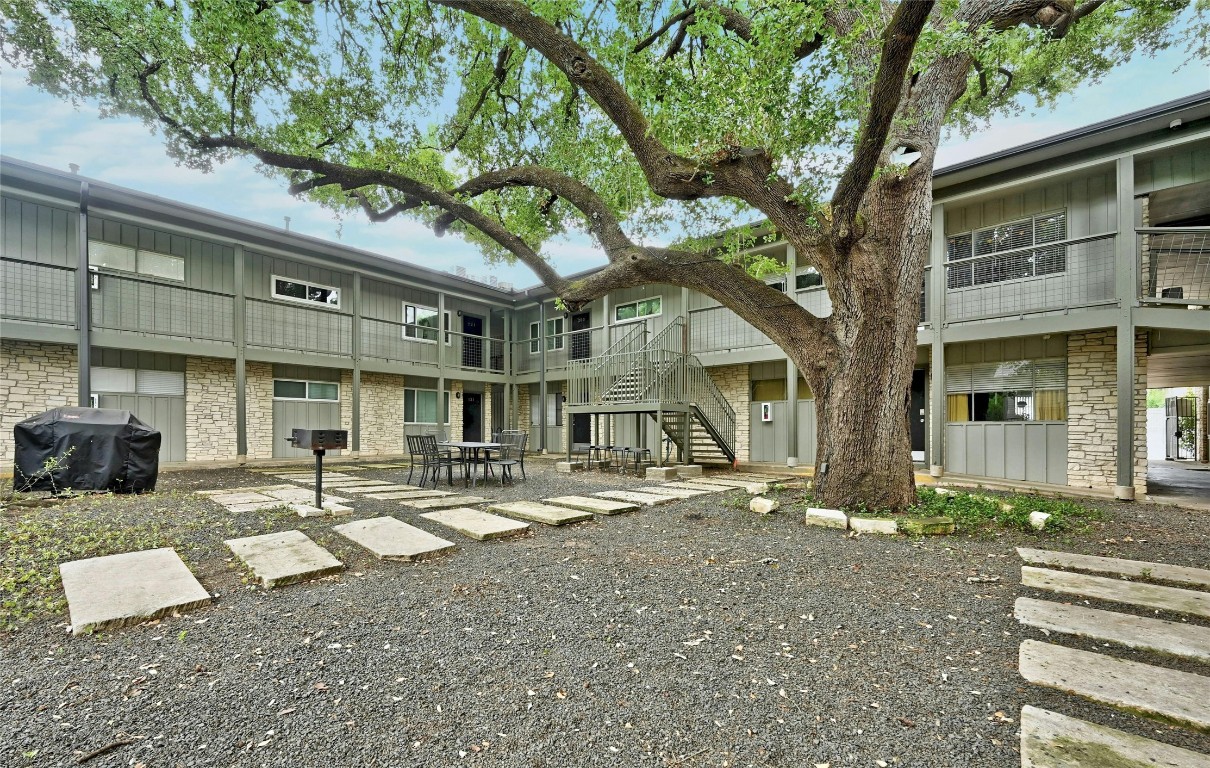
x=1052, y=740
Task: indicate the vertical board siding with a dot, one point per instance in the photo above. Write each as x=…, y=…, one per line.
x=37, y=293
x=382, y=340
x=300, y=414
x=381, y=300
x=208, y=266
x=166, y=414
x=770, y=441
x=282, y=326
x=1182, y=165
x=36, y=232
x=1034, y=452
x=262, y=268
x=718, y=329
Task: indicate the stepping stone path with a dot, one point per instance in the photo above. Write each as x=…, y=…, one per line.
x=117, y=590
x=696, y=486
x=541, y=513
x=382, y=466
x=476, y=524
x=589, y=504
x=377, y=488
x=751, y=486
x=414, y=494
x=392, y=539
x=1051, y=740
x=647, y=499
x=676, y=493
x=443, y=502
x=283, y=558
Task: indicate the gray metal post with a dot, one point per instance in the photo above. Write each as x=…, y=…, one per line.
x=241, y=374
x=791, y=369
x=659, y=433
x=441, y=435
x=1127, y=295
x=83, y=305
x=356, y=346
x=541, y=377
x=935, y=297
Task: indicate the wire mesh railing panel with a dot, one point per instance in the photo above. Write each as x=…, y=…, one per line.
x=718, y=329
x=1074, y=273
x=37, y=292
x=123, y=303
x=1174, y=265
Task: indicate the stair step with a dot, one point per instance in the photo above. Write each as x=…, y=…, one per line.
x=1179, y=574
x=1118, y=591
x=1131, y=631
x=1051, y=740
x=1168, y=693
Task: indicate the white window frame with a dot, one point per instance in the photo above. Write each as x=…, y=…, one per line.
x=305, y=302
x=135, y=255
x=412, y=326
x=637, y=316
x=554, y=338
x=308, y=398
x=976, y=258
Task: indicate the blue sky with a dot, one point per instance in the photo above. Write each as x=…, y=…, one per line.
x=40, y=129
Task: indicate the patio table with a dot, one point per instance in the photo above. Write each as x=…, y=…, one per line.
x=468, y=450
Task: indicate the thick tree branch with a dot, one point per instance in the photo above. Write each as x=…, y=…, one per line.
x=375, y=215
x=898, y=42
x=498, y=74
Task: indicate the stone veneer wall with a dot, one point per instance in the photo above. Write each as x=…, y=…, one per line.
x=34, y=377
x=487, y=411
x=382, y=414
x=524, y=421
x=210, y=414
x=1092, y=399
x=346, y=405
x=455, y=425
x=258, y=400
x=733, y=381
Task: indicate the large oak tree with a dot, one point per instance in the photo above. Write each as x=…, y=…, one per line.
x=636, y=121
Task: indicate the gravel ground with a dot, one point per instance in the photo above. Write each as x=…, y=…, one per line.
x=691, y=634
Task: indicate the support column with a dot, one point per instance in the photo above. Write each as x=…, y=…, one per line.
x=1203, y=425
x=441, y=434
x=83, y=305
x=1127, y=296
x=791, y=370
x=541, y=378
x=241, y=377
x=935, y=297
x=355, y=438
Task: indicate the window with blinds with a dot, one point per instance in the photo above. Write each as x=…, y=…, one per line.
x=1007, y=251
x=1019, y=390
x=129, y=381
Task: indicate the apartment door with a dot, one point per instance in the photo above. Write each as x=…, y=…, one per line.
x=581, y=343
x=472, y=342
x=472, y=416
x=916, y=413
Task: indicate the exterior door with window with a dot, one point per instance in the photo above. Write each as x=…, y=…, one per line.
x=581, y=342
x=472, y=416
x=472, y=342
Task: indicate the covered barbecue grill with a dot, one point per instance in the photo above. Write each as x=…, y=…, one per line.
x=86, y=449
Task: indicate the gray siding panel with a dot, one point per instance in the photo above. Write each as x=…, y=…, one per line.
x=128, y=303
x=807, y=427
x=291, y=414
x=1183, y=165
x=167, y=414
x=37, y=293
x=36, y=232
x=1034, y=452
x=261, y=269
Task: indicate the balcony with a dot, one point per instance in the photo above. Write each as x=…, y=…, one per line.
x=1174, y=266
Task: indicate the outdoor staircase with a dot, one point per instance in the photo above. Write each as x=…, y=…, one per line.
x=660, y=379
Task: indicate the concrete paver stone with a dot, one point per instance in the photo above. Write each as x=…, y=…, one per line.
x=541, y=513
x=696, y=486
x=1177, y=574
x=1051, y=740
x=828, y=518
x=284, y=558
x=392, y=539
x=646, y=499
x=413, y=494
x=676, y=493
x=590, y=504
x=1175, y=695
x=443, y=502
x=1125, y=629
x=1118, y=591
x=256, y=506
x=476, y=524
x=113, y=591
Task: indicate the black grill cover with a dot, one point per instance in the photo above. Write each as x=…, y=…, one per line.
x=105, y=450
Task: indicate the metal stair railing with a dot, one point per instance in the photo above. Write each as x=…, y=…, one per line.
x=589, y=379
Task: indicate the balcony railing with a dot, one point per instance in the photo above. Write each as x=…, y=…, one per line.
x=561, y=349
x=1078, y=272
x=39, y=293
x=278, y=325
x=423, y=345
x=1174, y=265
x=150, y=307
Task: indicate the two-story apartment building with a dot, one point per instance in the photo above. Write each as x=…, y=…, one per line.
x=1063, y=273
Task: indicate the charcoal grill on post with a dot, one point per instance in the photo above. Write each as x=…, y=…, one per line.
x=319, y=441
